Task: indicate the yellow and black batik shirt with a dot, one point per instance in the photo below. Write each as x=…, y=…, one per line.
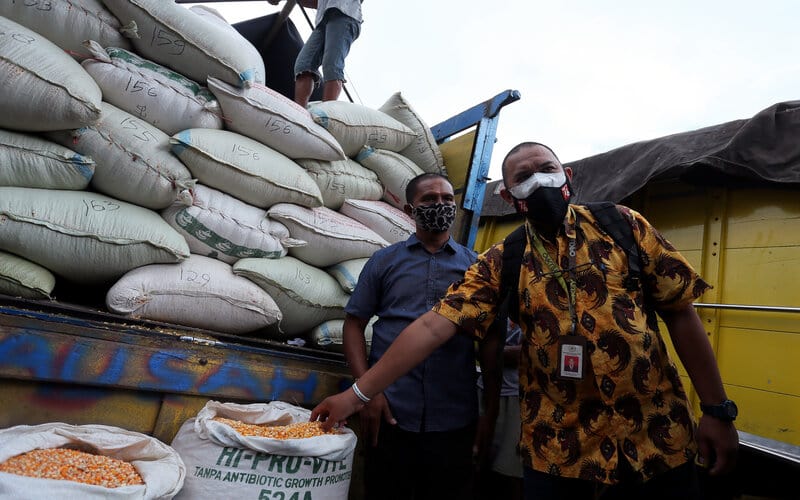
x=631, y=400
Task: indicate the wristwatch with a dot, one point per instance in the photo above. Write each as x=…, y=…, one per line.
x=727, y=410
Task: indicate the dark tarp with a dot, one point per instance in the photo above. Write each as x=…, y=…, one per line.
x=762, y=149
x=279, y=55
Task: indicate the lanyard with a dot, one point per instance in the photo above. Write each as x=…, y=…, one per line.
x=570, y=286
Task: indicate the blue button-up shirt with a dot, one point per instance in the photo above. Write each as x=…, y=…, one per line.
x=399, y=284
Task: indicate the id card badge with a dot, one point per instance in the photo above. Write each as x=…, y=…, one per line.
x=571, y=357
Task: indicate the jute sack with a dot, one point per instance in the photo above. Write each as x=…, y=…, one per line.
x=394, y=170
x=67, y=23
x=22, y=278
x=342, y=179
x=218, y=225
x=354, y=125
x=223, y=463
x=187, y=42
x=347, y=273
x=159, y=465
x=423, y=151
x=86, y=237
x=31, y=161
x=305, y=295
x=43, y=87
x=200, y=292
x=154, y=93
x=244, y=168
x=331, y=236
x=272, y=119
x=134, y=161
x=390, y=223
x=330, y=335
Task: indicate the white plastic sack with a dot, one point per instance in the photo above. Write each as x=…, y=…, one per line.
x=305, y=295
x=22, y=278
x=330, y=334
x=331, y=236
x=156, y=94
x=342, y=179
x=188, y=42
x=67, y=23
x=354, y=126
x=200, y=292
x=218, y=225
x=31, y=161
x=391, y=223
x=347, y=273
x=162, y=470
x=43, y=87
x=423, y=151
x=134, y=161
x=86, y=237
x=394, y=170
x=225, y=464
x=244, y=168
x=272, y=119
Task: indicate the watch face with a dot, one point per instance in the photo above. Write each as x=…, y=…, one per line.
x=731, y=409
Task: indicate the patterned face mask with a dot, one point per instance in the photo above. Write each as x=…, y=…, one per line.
x=436, y=218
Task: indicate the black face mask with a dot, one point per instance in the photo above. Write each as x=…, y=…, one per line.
x=546, y=206
x=436, y=218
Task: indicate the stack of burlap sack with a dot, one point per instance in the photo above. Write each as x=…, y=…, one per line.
x=140, y=150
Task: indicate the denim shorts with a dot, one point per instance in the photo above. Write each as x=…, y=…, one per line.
x=328, y=46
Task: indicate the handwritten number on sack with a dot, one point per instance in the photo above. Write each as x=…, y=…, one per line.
x=39, y=4
x=162, y=38
x=195, y=277
x=100, y=206
x=143, y=135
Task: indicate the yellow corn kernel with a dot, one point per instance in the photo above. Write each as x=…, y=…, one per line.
x=299, y=430
x=73, y=465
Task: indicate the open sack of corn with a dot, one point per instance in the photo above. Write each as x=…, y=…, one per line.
x=64, y=461
x=264, y=450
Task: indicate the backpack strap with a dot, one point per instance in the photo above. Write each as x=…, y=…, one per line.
x=619, y=228
x=513, y=249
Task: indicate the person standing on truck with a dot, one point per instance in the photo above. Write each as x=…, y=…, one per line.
x=625, y=428
x=338, y=24
x=419, y=430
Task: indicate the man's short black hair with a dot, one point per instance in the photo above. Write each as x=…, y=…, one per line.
x=518, y=148
x=413, y=185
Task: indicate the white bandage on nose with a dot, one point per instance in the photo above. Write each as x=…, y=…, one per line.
x=534, y=182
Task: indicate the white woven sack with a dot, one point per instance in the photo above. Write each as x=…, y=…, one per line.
x=162, y=470
x=342, y=179
x=188, y=42
x=331, y=236
x=154, y=93
x=218, y=225
x=346, y=273
x=244, y=168
x=423, y=150
x=354, y=126
x=200, y=292
x=31, y=161
x=394, y=170
x=226, y=464
x=134, y=160
x=272, y=119
x=305, y=295
x=22, y=278
x=86, y=237
x=330, y=335
x=43, y=87
x=391, y=223
x=67, y=23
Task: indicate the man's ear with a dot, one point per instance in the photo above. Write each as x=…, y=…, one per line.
x=506, y=196
x=568, y=172
x=407, y=208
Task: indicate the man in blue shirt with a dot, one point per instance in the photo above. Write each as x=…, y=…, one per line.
x=419, y=432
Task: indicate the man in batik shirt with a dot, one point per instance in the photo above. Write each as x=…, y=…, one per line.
x=623, y=428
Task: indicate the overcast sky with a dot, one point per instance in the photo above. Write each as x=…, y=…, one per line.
x=592, y=75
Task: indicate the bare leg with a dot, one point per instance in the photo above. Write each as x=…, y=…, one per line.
x=303, y=87
x=331, y=90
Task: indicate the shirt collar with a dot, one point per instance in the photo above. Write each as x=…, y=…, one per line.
x=450, y=244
